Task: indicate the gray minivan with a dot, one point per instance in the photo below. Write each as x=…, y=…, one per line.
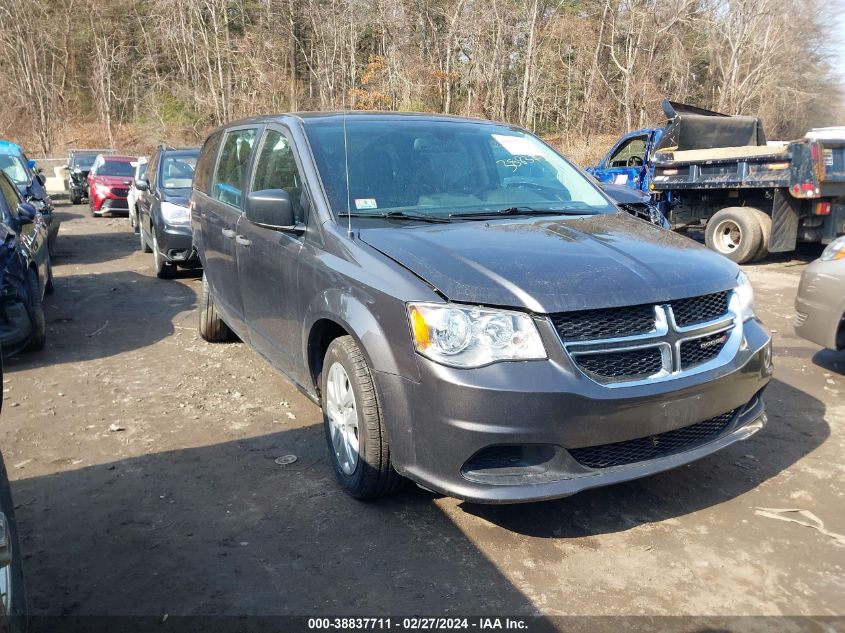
x=470, y=311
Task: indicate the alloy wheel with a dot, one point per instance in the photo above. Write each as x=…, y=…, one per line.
x=342, y=412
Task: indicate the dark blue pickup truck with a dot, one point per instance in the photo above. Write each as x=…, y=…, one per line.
x=708, y=169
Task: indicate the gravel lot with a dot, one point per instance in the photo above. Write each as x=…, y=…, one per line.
x=142, y=461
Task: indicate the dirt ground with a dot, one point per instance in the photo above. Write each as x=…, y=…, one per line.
x=143, y=470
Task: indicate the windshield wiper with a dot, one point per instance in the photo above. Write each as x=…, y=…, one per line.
x=397, y=215
x=511, y=211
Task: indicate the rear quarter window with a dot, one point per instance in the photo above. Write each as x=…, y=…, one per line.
x=232, y=167
x=205, y=162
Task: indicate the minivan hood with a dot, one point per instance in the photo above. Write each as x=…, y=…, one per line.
x=556, y=264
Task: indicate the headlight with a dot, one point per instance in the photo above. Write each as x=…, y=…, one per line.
x=834, y=250
x=746, y=296
x=101, y=188
x=174, y=213
x=465, y=336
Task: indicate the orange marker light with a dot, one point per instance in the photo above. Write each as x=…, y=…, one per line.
x=420, y=329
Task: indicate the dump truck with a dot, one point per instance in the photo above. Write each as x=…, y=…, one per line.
x=752, y=197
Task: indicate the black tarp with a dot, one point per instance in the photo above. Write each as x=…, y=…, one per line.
x=695, y=128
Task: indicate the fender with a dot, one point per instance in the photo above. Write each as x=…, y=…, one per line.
x=385, y=342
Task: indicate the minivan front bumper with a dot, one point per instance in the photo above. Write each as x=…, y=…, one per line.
x=510, y=432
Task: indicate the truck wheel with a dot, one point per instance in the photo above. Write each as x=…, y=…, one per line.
x=765, y=221
x=38, y=338
x=735, y=233
x=144, y=247
x=355, y=431
x=211, y=326
x=164, y=269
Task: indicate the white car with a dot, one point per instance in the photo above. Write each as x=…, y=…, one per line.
x=134, y=194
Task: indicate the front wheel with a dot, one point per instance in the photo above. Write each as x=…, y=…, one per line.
x=355, y=430
x=49, y=287
x=734, y=232
x=164, y=269
x=38, y=338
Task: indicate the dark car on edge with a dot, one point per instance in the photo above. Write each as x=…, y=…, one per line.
x=469, y=309
x=13, y=611
x=27, y=274
x=164, y=219
x=30, y=182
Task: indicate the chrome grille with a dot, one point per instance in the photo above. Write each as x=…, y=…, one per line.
x=621, y=346
x=654, y=446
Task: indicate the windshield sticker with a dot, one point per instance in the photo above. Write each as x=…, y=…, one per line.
x=517, y=161
x=620, y=179
x=366, y=203
x=518, y=146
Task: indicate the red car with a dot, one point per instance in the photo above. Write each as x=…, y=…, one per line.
x=108, y=183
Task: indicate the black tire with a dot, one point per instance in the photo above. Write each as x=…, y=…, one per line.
x=212, y=328
x=49, y=287
x=17, y=615
x=765, y=221
x=145, y=248
x=38, y=338
x=164, y=269
x=374, y=475
x=75, y=199
x=735, y=233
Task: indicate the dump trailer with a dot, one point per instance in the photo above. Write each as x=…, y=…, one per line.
x=751, y=196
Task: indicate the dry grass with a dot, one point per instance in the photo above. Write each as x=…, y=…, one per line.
x=583, y=151
x=141, y=139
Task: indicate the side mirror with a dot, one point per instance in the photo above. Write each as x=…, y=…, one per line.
x=26, y=212
x=271, y=208
x=41, y=178
x=142, y=185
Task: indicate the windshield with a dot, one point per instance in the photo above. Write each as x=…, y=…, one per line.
x=177, y=172
x=442, y=167
x=84, y=162
x=116, y=168
x=14, y=168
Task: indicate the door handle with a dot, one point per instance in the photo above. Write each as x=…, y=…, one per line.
x=240, y=239
x=228, y=233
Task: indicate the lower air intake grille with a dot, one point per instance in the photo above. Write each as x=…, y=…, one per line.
x=701, y=350
x=627, y=364
x=646, y=448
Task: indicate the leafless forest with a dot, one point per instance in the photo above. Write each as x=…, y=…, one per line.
x=132, y=72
